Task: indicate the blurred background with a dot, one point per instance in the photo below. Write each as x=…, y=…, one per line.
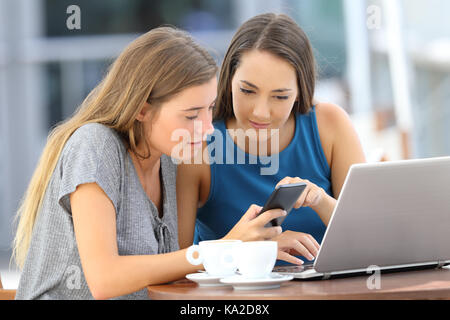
x=387, y=62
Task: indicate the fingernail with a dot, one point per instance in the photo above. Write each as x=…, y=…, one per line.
x=284, y=212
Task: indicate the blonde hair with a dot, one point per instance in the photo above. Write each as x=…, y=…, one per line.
x=153, y=68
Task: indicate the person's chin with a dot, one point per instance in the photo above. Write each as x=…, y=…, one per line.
x=192, y=154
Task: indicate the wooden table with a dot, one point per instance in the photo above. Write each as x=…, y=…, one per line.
x=421, y=284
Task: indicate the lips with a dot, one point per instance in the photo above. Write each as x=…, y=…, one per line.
x=258, y=125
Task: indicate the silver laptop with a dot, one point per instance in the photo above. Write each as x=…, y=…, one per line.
x=392, y=215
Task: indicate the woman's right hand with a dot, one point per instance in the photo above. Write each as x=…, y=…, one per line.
x=251, y=226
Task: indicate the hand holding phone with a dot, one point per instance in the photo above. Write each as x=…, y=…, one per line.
x=283, y=197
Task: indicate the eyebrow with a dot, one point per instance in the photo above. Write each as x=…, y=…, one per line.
x=255, y=87
x=199, y=108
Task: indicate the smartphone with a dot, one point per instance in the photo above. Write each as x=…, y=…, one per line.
x=283, y=197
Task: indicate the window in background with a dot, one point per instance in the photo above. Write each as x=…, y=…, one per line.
x=53, y=84
x=426, y=38
x=102, y=17
x=427, y=31
x=69, y=82
x=323, y=22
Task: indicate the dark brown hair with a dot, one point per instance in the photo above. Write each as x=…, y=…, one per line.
x=281, y=36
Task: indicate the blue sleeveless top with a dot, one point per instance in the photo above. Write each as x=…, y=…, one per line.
x=239, y=179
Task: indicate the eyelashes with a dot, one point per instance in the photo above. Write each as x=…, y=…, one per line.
x=245, y=91
x=249, y=92
x=196, y=116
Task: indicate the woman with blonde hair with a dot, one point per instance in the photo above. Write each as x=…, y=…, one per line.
x=99, y=217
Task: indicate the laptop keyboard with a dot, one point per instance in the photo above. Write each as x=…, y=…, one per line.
x=294, y=268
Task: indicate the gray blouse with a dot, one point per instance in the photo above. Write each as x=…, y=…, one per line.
x=95, y=153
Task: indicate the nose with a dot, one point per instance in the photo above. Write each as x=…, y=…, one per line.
x=261, y=111
x=209, y=128
x=205, y=126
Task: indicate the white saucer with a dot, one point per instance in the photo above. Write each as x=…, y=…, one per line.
x=205, y=280
x=273, y=281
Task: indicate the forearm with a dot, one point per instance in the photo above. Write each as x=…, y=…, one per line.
x=188, y=198
x=127, y=274
x=325, y=208
x=186, y=233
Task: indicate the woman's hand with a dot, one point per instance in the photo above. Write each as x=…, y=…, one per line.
x=310, y=197
x=251, y=226
x=291, y=243
x=314, y=197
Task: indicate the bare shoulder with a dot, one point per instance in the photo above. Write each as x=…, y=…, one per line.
x=331, y=115
x=328, y=117
x=333, y=121
x=341, y=141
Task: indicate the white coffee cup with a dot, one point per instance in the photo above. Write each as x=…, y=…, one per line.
x=216, y=256
x=255, y=259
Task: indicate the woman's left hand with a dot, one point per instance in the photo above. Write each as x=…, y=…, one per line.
x=291, y=244
x=310, y=197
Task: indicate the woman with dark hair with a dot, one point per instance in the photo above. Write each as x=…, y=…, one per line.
x=266, y=90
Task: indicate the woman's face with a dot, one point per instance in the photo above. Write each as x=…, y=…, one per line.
x=264, y=89
x=183, y=122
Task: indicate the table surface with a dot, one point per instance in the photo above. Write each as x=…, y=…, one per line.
x=419, y=284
